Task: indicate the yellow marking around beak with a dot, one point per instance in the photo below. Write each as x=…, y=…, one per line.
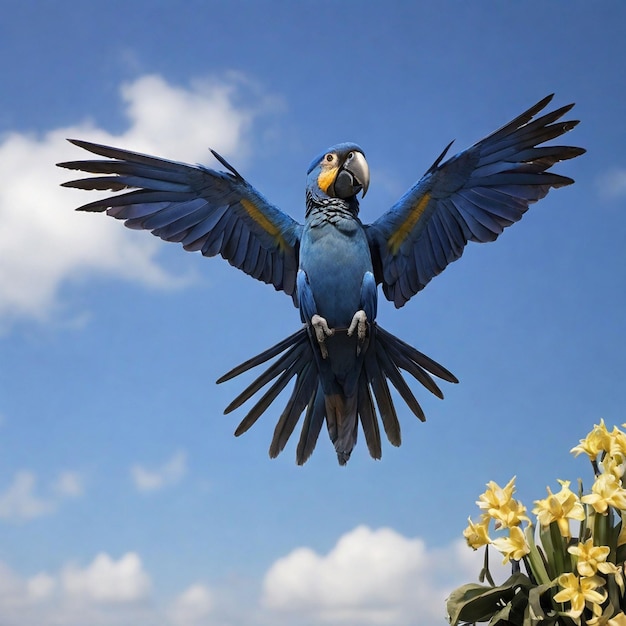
x=264, y=222
x=398, y=237
x=327, y=178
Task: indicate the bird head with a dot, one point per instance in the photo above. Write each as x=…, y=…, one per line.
x=340, y=172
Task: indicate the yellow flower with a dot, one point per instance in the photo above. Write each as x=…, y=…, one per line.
x=613, y=465
x=598, y=440
x=618, y=620
x=618, y=444
x=580, y=592
x=514, y=546
x=477, y=535
x=501, y=506
x=560, y=508
x=616, y=570
x=511, y=514
x=496, y=497
x=590, y=557
x=607, y=619
x=606, y=491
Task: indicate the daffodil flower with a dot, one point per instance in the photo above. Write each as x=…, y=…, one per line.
x=618, y=445
x=618, y=620
x=580, y=591
x=607, y=619
x=613, y=464
x=500, y=505
x=590, y=557
x=598, y=440
x=606, y=491
x=477, y=535
x=560, y=508
x=514, y=546
x=496, y=497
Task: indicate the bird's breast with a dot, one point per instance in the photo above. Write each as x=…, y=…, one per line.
x=335, y=255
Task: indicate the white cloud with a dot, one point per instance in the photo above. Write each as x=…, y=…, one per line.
x=22, y=501
x=44, y=243
x=104, y=593
x=170, y=473
x=192, y=607
x=375, y=577
x=40, y=587
x=69, y=485
x=613, y=183
x=106, y=581
x=370, y=577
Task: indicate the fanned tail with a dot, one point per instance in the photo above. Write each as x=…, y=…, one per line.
x=384, y=358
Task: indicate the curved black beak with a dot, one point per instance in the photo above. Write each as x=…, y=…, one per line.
x=353, y=177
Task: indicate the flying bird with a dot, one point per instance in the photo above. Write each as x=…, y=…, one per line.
x=331, y=266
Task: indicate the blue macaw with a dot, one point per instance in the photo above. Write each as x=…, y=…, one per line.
x=332, y=264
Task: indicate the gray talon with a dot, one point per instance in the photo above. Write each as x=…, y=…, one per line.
x=322, y=330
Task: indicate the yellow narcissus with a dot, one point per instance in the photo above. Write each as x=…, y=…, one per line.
x=590, y=557
x=477, y=535
x=560, y=508
x=606, y=491
x=581, y=591
x=598, y=440
x=514, y=546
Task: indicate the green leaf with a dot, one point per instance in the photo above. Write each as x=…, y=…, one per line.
x=479, y=603
x=535, y=558
x=536, y=606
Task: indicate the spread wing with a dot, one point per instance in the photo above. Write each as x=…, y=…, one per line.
x=471, y=197
x=213, y=212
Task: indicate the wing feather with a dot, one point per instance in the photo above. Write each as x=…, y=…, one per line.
x=203, y=209
x=472, y=196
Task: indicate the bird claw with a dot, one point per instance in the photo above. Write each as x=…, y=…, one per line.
x=322, y=330
x=358, y=323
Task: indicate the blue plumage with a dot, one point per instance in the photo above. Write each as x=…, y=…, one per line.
x=341, y=360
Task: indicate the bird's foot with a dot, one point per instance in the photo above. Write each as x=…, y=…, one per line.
x=322, y=330
x=358, y=323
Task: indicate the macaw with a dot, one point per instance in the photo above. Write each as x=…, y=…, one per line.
x=332, y=264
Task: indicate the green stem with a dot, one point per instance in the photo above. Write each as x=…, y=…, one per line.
x=535, y=561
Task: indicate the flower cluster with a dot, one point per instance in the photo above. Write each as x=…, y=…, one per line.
x=568, y=579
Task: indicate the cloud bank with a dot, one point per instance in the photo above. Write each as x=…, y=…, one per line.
x=371, y=576
x=44, y=243
x=170, y=473
x=22, y=500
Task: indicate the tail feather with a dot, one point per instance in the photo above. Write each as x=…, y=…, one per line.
x=297, y=338
x=270, y=395
x=369, y=419
x=272, y=372
x=342, y=422
x=306, y=383
x=384, y=358
x=393, y=374
x=415, y=355
x=312, y=426
x=378, y=382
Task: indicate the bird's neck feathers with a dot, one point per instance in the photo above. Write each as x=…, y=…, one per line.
x=317, y=200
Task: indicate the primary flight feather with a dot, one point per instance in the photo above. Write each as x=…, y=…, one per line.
x=341, y=359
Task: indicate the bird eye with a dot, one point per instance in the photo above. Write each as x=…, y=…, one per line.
x=329, y=157
x=350, y=155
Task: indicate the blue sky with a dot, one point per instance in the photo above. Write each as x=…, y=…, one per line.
x=124, y=497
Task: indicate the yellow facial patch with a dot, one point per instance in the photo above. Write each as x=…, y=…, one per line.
x=398, y=237
x=264, y=222
x=327, y=178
